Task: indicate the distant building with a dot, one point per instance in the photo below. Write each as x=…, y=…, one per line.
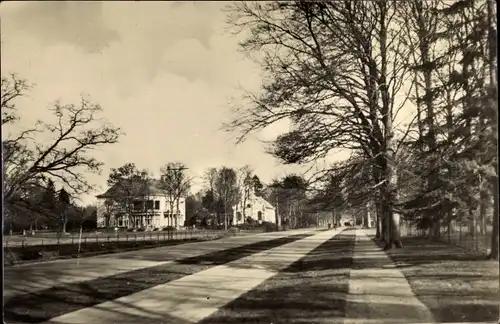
x=146, y=211
x=255, y=207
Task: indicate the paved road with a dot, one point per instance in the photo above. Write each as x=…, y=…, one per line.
x=289, y=277
x=28, y=278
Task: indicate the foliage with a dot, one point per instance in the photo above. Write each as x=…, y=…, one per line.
x=341, y=71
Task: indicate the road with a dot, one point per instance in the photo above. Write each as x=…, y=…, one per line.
x=302, y=276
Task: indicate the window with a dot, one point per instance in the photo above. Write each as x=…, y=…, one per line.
x=249, y=205
x=238, y=216
x=259, y=215
x=157, y=204
x=138, y=205
x=166, y=214
x=149, y=204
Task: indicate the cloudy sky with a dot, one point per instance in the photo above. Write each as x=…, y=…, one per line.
x=166, y=73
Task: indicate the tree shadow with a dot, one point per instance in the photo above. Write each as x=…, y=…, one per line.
x=311, y=290
x=455, y=284
x=61, y=299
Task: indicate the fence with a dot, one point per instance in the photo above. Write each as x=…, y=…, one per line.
x=52, y=239
x=455, y=233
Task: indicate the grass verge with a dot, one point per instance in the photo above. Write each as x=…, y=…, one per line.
x=455, y=284
x=39, y=253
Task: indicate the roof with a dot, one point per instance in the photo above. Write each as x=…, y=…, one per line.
x=154, y=189
x=264, y=202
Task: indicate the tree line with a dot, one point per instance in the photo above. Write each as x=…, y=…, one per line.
x=224, y=199
x=344, y=72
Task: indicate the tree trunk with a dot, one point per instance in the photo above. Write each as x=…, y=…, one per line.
x=424, y=31
x=482, y=213
x=64, y=223
x=278, y=218
x=390, y=193
x=378, y=233
x=492, y=60
x=177, y=213
x=225, y=214
x=494, y=234
x=436, y=228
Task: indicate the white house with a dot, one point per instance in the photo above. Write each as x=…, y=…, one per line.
x=255, y=207
x=151, y=211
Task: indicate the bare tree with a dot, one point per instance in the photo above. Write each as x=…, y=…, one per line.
x=12, y=88
x=127, y=184
x=75, y=131
x=334, y=69
x=227, y=190
x=245, y=185
x=176, y=184
x=212, y=200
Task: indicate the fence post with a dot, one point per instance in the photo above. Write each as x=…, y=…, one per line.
x=477, y=240
x=460, y=234
x=108, y=238
x=72, y=239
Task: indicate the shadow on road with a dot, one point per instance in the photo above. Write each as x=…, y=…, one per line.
x=310, y=290
x=46, y=304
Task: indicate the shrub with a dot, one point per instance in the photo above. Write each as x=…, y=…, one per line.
x=268, y=226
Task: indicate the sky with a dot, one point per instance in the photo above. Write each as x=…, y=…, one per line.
x=166, y=73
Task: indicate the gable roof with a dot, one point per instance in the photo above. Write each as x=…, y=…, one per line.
x=264, y=202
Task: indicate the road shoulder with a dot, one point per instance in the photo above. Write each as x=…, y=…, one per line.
x=456, y=285
x=378, y=290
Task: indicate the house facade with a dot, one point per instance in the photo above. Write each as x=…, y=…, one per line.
x=154, y=210
x=255, y=207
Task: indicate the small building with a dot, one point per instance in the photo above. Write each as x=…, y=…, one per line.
x=151, y=210
x=255, y=207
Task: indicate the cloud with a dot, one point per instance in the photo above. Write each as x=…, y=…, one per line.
x=53, y=22
x=165, y=73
